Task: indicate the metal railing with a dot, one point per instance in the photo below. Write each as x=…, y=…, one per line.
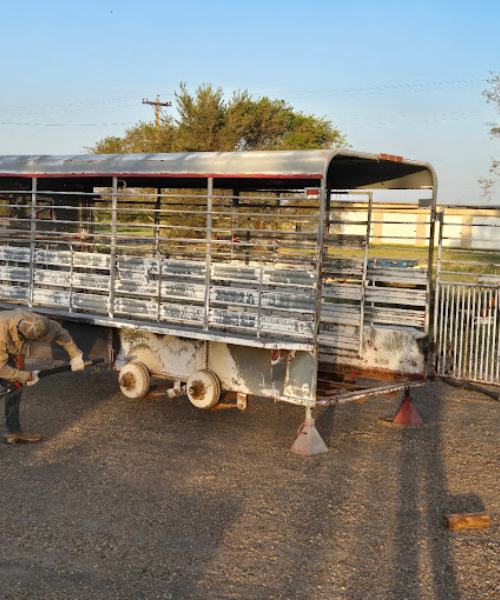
x=466, y=320
x=240, y=264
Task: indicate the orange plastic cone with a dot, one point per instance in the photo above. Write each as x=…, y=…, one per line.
x=407, y=414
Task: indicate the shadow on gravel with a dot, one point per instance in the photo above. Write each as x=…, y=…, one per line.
x=325, y=421
x=60, y=401
x=423, y=482
x=110, y=510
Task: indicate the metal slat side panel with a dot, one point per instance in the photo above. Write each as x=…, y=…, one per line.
x=111, y=253
x=397, y=297
x=392, y=289
x=20, y=255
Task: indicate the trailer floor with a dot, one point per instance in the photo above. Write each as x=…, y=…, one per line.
x=155, y=499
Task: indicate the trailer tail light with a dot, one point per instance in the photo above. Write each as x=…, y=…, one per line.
x=392, y=157
x=312, y=192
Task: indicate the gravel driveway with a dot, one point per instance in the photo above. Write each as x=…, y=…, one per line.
x=156, y=499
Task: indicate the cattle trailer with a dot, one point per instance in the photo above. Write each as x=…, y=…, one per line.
x=287, y=274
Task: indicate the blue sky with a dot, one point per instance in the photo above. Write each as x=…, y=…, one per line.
x=397, y=77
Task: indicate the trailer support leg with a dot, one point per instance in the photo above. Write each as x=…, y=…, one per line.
x=407, y=414
x=308, y=442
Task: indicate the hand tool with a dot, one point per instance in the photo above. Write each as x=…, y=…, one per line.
x=46, y=372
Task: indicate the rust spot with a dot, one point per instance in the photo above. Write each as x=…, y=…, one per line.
x=128, y=381
x=197, y=390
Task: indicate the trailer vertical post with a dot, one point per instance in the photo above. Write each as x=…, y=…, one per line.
x=34, y=185
x=431, y=293
x=323, y=216
x=208, y=248
x=437, y=299
x=112, y=258
x=365, y=272
x=71, y=269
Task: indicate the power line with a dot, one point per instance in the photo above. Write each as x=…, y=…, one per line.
x=431, y=117
x=70, y=105
x=316, y=92
x=12, y=112
x=65, y=124
x=382, y=89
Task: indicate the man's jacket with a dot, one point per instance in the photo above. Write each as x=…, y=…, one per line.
x=11, y=345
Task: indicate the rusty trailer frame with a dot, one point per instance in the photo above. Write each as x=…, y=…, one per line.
x=258, y=273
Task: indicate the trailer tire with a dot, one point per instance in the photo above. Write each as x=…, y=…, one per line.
x=134, y=380
x=203, y=389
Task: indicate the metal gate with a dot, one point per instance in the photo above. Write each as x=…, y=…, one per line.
x=466, y=319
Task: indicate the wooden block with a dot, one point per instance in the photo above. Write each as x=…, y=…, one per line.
x=466, y=521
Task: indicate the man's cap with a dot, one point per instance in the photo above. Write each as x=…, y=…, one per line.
x=32, y=327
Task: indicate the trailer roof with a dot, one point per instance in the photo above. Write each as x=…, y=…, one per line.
x=344, y=169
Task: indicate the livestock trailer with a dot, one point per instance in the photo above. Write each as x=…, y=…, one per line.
x=275, y=274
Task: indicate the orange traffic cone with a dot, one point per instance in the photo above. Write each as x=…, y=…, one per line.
x=407, y=414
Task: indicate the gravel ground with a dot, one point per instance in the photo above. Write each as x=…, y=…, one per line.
x=156, y=499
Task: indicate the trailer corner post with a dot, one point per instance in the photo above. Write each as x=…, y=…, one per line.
x=434, y=297
x=323, y=216
x=431, y=294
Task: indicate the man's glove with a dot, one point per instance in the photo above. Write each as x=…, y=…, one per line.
x=34, y=378
x=77, y=363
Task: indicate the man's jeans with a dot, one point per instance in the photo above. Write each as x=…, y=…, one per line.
x=12, y=402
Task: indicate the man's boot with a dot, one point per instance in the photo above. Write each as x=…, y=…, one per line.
x=22, y=437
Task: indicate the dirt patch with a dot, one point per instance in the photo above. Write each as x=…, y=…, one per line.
x=157, y=499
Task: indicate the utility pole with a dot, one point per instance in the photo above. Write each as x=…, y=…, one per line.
x=156, y=103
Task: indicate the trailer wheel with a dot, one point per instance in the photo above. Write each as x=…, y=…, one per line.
x=203, y=389
x=134, y=380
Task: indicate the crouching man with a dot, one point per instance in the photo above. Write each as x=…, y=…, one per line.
x=18, y=328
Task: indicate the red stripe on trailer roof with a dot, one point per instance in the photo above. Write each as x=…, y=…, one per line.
x=169, y=175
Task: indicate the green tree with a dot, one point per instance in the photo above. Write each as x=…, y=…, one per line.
x=206, y=122
x=141, y=138
x=492, y=95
